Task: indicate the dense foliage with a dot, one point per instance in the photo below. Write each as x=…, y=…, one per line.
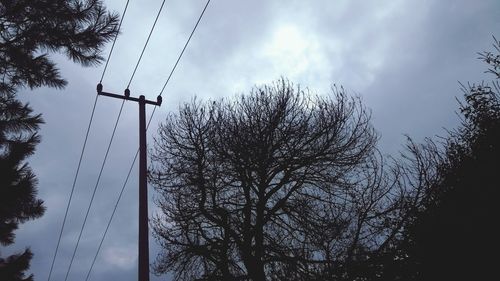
x=18, y=202
x=29, y=32
x=454, y=235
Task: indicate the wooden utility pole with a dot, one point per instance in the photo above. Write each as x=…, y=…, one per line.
x=143, y=184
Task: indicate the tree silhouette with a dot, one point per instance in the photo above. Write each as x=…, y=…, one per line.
x=29, y=32
x=14, y=266
x=275, y=185
x=453, y=234
x=18, y=203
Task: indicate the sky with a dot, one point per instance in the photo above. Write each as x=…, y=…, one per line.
x=405, y=59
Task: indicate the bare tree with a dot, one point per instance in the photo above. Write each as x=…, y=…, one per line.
x=272, y=185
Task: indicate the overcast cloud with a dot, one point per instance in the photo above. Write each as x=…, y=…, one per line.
x=404, y=58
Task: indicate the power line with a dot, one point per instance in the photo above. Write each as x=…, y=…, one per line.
x=180, y=56
x=114, y=41
x=111, y=217
x=183, y=49
x=93, y=193
x=146, y=44
x=72, y=190
x=84, y=146
x=135, y=157
x=109, y=146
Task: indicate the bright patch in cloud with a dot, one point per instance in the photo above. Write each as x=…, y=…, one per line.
x=122, y=257
x=293, y=53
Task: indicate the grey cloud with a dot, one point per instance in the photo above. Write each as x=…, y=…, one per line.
x=403, y=58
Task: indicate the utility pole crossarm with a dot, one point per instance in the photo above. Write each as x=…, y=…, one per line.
x=126, y=96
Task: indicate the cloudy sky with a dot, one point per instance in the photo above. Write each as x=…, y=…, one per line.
x=404, y=58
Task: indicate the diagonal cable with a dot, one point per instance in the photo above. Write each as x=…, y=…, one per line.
x=72, y=190
x=83, y=148
x=114, y=41
x=146, y=44
x=183, y=49
x=93, y=193
x=111, y=217
x=179, y=58
x=137, y=152
x=109, y=146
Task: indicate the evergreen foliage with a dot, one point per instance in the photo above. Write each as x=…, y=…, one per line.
x=18, y=202
x=18, y=138
x=452, y=235
x=456, y=236
x=29, y=32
